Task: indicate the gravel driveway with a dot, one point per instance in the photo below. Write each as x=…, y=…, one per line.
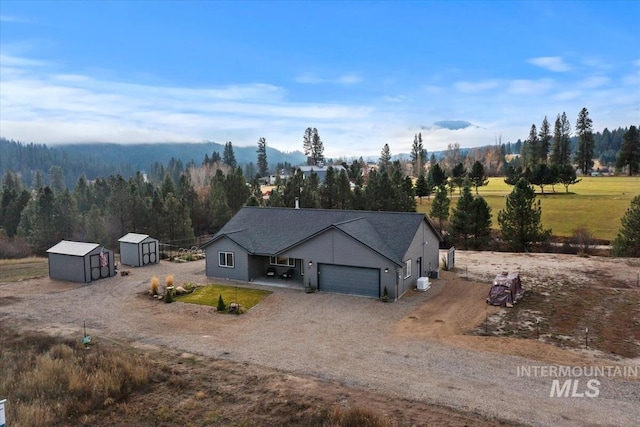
x=337, y=337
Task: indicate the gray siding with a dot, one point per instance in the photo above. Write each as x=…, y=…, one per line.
x=83, y=269
x=240, y=271
x=68, y=267
x=130, y=254
x=424, y=248
x=335, y=247
x=137, y=254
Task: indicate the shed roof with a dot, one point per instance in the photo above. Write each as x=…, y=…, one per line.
x=269, y=231
x=66, y=247
x=133, y=238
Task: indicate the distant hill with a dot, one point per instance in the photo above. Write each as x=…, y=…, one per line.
x=141, y=156
x=104, y=159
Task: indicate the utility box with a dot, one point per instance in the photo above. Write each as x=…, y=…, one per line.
x=423, y=283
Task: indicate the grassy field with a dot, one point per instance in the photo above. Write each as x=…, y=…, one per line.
x=208, y=295
x=15, y=270
x=596, y=203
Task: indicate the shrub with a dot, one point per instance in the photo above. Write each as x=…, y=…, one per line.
x=169, y=294
x=584, y=240
x=169, y=280
x=352, y=417
x=155, y=282
x=221, y=305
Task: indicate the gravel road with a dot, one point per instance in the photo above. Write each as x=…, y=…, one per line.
x=336, y=337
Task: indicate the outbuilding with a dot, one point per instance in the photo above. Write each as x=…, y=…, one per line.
x=80, y=261
x=138, y=250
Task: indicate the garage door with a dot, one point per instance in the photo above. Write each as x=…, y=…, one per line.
x=349, y=280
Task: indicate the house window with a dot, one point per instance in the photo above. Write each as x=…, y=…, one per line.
x=283, y=261
x=407, y=268
x=225, y=259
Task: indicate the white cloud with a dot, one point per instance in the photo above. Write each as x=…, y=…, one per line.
x=472, y=87
x=529, y=87
x=46, y=103
x=551, y=63
x=595, y=82
x=345, y=79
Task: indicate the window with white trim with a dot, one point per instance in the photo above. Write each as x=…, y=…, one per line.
x=283, y=261
x=226, y=259
x=407, y=268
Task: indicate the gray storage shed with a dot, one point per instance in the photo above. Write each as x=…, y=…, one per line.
x=80, y=262
x=138, y=250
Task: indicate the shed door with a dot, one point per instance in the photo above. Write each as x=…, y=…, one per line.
x=349, y=280
x=100, y=265
x=149, y=253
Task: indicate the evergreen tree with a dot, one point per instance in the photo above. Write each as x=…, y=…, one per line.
x=263, y=167
x=513, y=175
x=629, y=155
x=236, y=190
x=385, y=159
x=531, y=149
x=561, y=148
x=56, y=179
x=12, y=205
x=167, y=186
x=627, y=242
x=219, y=210
x=437, y=176
x=313, y=146
x=584, y=153
x=544, y=141
x=520, y=220
x=418, y=155
x=458, y=174
x=477, y=175
x=37, y=222
x=343, y=198
x=228, y=156
x=329, y=190
x=461, y=222
x=440, y=206
x=422, y=189
x=177, y=221
x=481, y=223
x=567, y=176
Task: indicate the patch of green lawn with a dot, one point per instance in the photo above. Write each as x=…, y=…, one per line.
x=208, y=295
x=596, y=203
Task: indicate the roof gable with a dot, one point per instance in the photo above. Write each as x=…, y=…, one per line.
x=269, y=231
x=133, y=238
x=66, y=247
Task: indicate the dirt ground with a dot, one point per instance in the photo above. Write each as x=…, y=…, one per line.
x=275, y=367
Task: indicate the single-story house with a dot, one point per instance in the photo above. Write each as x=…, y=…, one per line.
x=80, y=262
x=138, y=250
x=352, y=252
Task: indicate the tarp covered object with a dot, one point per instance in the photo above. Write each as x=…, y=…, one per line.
x=506, y=290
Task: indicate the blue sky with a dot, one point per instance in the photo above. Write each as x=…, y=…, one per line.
x=363, y=73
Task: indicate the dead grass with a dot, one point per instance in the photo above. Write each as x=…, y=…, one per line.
x=53, y=381
x=15, y=270
x=561, y=315
x=48, y=379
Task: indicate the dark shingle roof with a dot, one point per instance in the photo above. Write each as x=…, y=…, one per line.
x=269, y=231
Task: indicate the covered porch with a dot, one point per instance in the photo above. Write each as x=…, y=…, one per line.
x=277, y=271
